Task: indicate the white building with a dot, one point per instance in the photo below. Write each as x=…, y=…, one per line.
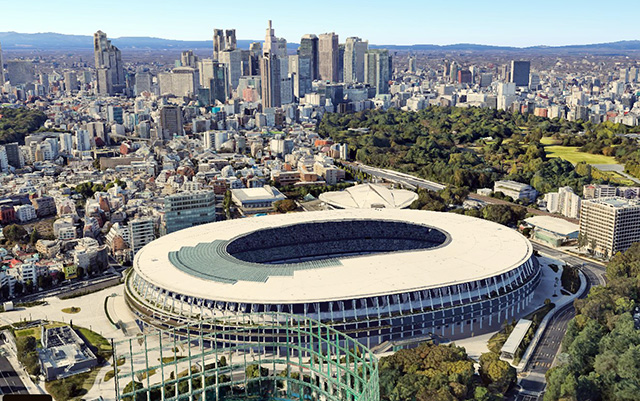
x=565, y=202
x=515, y=190
x=25, y=213
x=256, y=200
x=599, y=191
x=141, y=232
x=610, y=225
x=83, y=140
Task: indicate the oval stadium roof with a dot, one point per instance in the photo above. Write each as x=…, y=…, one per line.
x=476, y=249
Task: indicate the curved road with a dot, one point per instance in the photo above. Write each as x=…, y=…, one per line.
x=543, y=357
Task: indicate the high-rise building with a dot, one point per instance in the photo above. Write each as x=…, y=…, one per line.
x=70, y=82
x=377, y=70
x=188, y=59
x=610, y=225
x=328, y=51
x=109, y=67
x=270, y=71
x=20, y=72
x=596, y=191
x=300, y=72
x=230, y=39
x=190, y=209
x=219, y=83
x=170, y=122
x=236, y=60
x=181, y=81
x=520, y=72
x=44, y=81
x=223, y=40
x=255, y=54
x=83, y=140
x=309, y=49
x=14, y=155
x=218, y=42
x=141, y=232
x=412, y=64
x=143, y=82
x=354, y=51
x=281, y=48
x=115, y=114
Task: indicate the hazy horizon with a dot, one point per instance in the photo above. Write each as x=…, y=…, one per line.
x=501, y=23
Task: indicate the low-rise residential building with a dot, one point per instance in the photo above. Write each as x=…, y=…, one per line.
x=25, y=213
x=44, y=206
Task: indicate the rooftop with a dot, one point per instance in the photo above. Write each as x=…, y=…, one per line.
x=266, y=192
x=616, y=202
x=476, y=249
x=366, y=196
x=553, y=224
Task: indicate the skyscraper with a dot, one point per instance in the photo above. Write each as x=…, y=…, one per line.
x=354, y=51
x=255, y=55
x=170, y=122
x=300, y=71
x=70, y=82
x=218, y=42
x=377, y=70
x=309, y=49
x=188, y=59
x=109, y=67
x=520, y=72
x=20, y=72
x=270, y=71
x=143, y=81
x=219, y=84
x=230, y=39
x=328, y=57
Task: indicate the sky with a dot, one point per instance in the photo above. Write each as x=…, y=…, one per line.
x=403, y=22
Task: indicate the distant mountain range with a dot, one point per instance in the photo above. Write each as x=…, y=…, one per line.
x=57, y=41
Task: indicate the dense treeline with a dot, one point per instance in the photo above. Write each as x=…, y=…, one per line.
x=443, y=372
x=15, y=124
x=601, y=349
x=472, y=147
x=450, y=198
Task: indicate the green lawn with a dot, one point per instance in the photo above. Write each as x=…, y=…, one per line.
x=574, y=156
x=547, y=140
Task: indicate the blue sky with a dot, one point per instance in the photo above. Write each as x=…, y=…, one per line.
x=510, y=23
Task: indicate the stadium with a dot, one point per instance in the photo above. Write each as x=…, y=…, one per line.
x=376, y=275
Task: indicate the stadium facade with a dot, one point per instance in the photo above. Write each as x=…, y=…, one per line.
x=375, y=275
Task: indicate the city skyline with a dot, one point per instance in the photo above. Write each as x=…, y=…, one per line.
x=498, y=24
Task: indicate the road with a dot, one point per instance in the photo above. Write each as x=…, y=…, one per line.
x=84, y=284
x=10, y=382
x=543, y=357
x=396, y=177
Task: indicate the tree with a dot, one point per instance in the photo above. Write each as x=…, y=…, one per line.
x=285, y=205
x=34, y=237
x=14, y=233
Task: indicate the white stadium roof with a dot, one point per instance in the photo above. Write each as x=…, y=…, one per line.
x=367, y=196
x=478, y=249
